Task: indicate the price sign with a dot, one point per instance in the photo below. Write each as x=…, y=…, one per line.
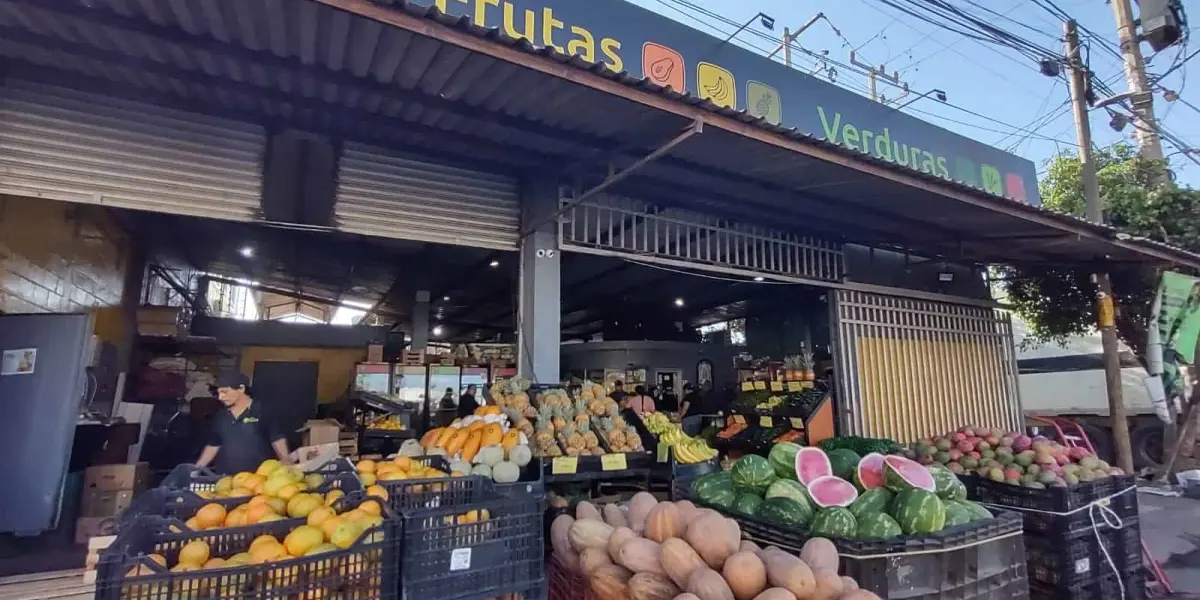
x=664, y=450
x=766, y=422
x=806, y=384
x=794, y=386
x=613, y=462
x=797, y=423
x=747, y=386
x=739, y=419
x=564, y=465
x=776, y=386
x=760, y=385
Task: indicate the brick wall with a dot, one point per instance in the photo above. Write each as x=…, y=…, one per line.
x=58, y=257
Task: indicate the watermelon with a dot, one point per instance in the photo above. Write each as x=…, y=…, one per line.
x=812, y=463
x=747, y=503
x=957, y=514
x=869, y=473
x=832, y=491
x=785, y=511
x=705, y=485
x=877, y=526
x=947, y=484
x=783, y=459
x=871, y=501
x=723, y=497
x=786, y=488
x=977, y=511
x=844, y=462
x=752, y=473
x=919, y=511
x=901, y=474
x=834, y=522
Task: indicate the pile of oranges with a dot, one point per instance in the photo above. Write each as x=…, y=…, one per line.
x=397, y=469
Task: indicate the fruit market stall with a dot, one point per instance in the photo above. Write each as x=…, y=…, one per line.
x=769, y=412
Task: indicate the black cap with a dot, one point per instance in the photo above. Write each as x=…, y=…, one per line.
x=232, y=379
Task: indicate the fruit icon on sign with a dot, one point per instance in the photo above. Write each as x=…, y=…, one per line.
x=992, y=183
x=716, y=85
x=1015, y=187
x=762, y=101
x=663, y=66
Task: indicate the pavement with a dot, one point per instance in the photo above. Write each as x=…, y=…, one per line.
x=1171, y=530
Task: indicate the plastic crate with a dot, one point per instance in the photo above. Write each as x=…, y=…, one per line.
x=491, y=545
x=1101, y=588
x=531, y=483
x=203, y=479
x=1065, y=562
x=367, y=569
x=1066, y=499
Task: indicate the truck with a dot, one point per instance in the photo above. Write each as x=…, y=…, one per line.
x=1067, y=381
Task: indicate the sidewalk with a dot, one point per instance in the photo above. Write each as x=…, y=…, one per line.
x=1171, y=529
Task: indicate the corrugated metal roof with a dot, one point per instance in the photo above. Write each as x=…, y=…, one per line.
x=308, y=65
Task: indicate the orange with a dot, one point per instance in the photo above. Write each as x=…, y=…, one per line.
x=279, y=505
x=210, y=515
x=332, y=496
x=355, y=515
x=318, y=516
x=365, y=466
x=302, y=504
x=288, y=491
x=319, y=548
x=241, y=558
x=256, y=513
x=158, y=558
x=267, y=552
x=328, y=526
x=241, y=493
x=194, y=553
x=404, y=462
x=239, y=479
x=224, y=484
x=214, y=563
x=263, y=539
x=390, y=476
x=259, y=499
x=302, y=539
x=368, y=479
x=314, y=480
x=267, y=467
x=193, y=525
x=254, y=483
x=346, y=534
x=378, y=492
x=371, y=507
x=268, y=518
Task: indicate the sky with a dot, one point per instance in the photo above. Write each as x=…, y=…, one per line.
x=993, y=94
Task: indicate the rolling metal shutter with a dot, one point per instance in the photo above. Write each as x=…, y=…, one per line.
x=912, y=368
x=73, y=146
x=386, y=194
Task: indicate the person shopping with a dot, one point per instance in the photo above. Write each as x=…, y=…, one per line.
x=639, y=402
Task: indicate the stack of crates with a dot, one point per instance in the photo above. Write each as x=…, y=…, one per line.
x=1072, y=548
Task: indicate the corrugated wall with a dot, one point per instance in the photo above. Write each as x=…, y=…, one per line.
x=914, y=368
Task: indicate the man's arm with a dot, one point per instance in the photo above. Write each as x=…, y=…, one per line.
x=207, y=455
x=281, y=451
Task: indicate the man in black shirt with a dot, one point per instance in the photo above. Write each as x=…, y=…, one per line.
x=618, y=394
x=467, y=403
x=243, y=435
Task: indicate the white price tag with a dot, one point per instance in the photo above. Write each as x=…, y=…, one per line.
x=1083, y=565
x=460, y=559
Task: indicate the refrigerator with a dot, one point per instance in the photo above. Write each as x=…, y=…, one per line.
x=43, y=366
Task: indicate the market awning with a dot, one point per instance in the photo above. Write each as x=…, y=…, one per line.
x=407, y=75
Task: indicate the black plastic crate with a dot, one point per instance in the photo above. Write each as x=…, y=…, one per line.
x=1066, y=499
x=1078, y=559
x=491, y=546
x=203, y=479
x=531, y=483
x=368, y=568
x=1100, y=588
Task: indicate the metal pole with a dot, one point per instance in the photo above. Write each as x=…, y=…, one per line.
x=1095, y=212
x=1135, y=74
x=871, y=85
x=787, y=47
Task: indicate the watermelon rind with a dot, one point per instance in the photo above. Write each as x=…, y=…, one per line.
x=832, y=491
x=872, y=501
x=723, y=498
x=918, y=511
x=812, y=463
x=947, y=485
x=901, y=474
x=868, y=474
x=705, y=485
x=957, y=514
x=877, y=526
x=977, y=511
x=786, y=512
x=787, y=488
x=747, y=503
x=834, y=522
x=752, y=473
x=844, y=462
x=783, y=459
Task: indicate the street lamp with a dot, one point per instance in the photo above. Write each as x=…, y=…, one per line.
x=939, y=94
x=766, y=20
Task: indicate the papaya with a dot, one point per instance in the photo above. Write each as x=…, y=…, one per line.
x=511, y=440
x=471, y=447
x=430, y=437
x=457, y=441
x=444, y=437
x=493, y=433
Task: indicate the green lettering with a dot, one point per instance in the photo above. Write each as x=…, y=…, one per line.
x=942, y=170
x=928, y=165
x=831, y=133
x=867, y=134
x=850, y=136
x=884, y=151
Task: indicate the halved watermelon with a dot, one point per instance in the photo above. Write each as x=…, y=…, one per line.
x=812, y=463
x=901, y=474
x=869, y=474
x=832, y=491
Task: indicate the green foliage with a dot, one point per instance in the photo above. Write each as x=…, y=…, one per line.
x=1059, y=301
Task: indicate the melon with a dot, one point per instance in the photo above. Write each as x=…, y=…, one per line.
x=901, y=474
x=680, y=560
x=641, y=555
x=589, y=533
x=832, y=491
x=618, y=538
x=560, y=541
x=593, y=558
x=708, y=584
x=812, y=463
x=610, y=582
x=745, y=574
x=775, y=593
x=820, y=553
x=664, y=522
x=652, y=586
x=790, y=573
x=783, y=459
x=869, y=474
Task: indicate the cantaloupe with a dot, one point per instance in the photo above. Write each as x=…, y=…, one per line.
x=775, y=593
x=791, y=573
x=610, y=582
x=613, y=515
x=687, y=596
x=663, y=522
x=639, y=506
x=560, y=541
x=749, y=546
x=593, y=558
x=587, y=510
x=745, y=574
x=820, y=553
x=589, y=533
x=680, y=560
x=715, y=538
x=860, y=595
x=641, y=555
x=619, y=536
x=708, y=584
x=652, y=586
x=829, y=585
x=848, y=585
x=687, y=510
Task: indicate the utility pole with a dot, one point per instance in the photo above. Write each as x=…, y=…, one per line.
x=873, y=75
x=790, y=36
x=1146, y=129
x=1095, y=212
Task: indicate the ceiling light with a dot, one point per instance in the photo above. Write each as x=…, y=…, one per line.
x=246, y=251
x=494, y=264
x=759, y=278
x=679, y=302
x=445, y=298
x=437, y=330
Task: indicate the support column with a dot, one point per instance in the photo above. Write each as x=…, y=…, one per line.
x=420, y=321
x=539, y=311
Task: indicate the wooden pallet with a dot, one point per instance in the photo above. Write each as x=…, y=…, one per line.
x=56, y=585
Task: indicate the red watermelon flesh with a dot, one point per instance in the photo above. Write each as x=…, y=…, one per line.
x=812, y=463
x=869, y=474
x=832, y=491
x=900, y=474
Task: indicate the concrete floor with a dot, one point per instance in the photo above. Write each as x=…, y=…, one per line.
x=1171, y=529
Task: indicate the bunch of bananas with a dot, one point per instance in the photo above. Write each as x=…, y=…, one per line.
x=687, y=449
x=658, y=423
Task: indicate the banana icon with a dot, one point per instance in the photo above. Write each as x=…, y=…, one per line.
x=716, y=85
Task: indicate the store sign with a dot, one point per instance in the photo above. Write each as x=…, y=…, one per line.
x=625, y=37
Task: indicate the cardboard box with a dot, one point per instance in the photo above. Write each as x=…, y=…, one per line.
x=117, y=478
x=87, y=528
x=318, y=432
x=374, y=353
x=309, y=458
x=104, y=503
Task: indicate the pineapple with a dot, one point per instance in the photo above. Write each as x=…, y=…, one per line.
x=589, y=436
x=633, y=441
x=580, y=409
x=558, y=421
x=545, y=435
x=574, y=438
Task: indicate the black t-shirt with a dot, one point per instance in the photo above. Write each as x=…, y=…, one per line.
x=467, y=405
x=695, y=402
x=618, y=396
x=245, y=440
